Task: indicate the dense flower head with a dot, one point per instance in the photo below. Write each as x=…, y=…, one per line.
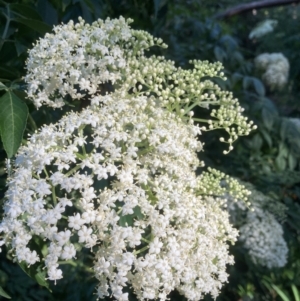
x=76, y=59
x=70, y=64
x=119, y=177
x=149, y=157
x=261, y=233
x=275, y=67
x=262, y=236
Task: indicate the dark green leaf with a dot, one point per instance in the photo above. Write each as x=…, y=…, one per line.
x=259, y=87
x=256, y=142
x=47, y=11
x=219, y=53
x=292, y=161
x=157, y=4
x=247, y=82
x=13, y=116
x=8, y=72
x=36, y=272
x=268, y=118
x=280, y=163
x=127, y=220
x=4, y=294
x=267, y=137
x=26, y=11
x=36, y=25
x=20, y=48
x=283, y=150
x=2, y=87
x=236, y=77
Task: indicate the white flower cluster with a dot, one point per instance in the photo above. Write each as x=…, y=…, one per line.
x=275, y=67
x=152, y=228
x=260, y=232
x=263, y=28
x=263, y=237
x=76, y=59
x=176, y=241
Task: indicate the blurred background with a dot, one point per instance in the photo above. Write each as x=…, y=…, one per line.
x=259, y=46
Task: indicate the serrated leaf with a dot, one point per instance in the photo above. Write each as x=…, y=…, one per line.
x=259, y=87
x=13, y=117
x=36, y=25
x=4, y=294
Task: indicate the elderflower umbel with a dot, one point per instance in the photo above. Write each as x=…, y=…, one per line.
x=119, y=177
x=260, y=232
x=275, y=67
x=157, y=180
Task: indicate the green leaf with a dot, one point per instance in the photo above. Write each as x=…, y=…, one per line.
x=48, y=12
x=295, y=292
x=20, y=48
x=268, y=118
x=26, y=11
x=280, y=293
x=267, y=137
x=36, y=272
x=127, y=220
x=220, y=54
x=13, y=117
x=292, y=161
x=280, y=163
x=2, y=87
x=259, y=87
x=256, y=142
x=36, y=25
x=4, y=294
x=236, y=77
x=247, y=82
x=157, y=4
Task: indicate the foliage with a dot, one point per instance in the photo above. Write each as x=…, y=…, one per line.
x=269, y=159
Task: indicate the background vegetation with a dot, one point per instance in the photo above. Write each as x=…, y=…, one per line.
x=269, y=158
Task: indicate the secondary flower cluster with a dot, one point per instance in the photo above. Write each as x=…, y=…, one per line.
x=263, y=28
x=275, y=67
x=260, y=232
x=262, y=235
x=119, y=177
x=76, y=59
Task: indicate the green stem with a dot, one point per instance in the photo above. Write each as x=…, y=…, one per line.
x=32, y=123
x=141, y=250
x=54, y=195
x=200, y=120
x=52, y=187
x=72, y=170
x=145, y=240
x=6, y=27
